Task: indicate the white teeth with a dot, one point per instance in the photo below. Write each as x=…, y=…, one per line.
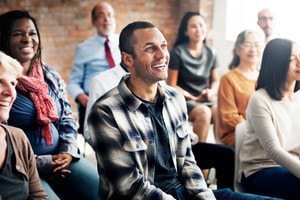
x=158, y=66
x=26, y=48
x=4, y=104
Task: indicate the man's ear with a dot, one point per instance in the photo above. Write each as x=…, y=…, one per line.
x=127, y=59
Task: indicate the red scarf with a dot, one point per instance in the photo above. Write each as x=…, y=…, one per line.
x=36, y=89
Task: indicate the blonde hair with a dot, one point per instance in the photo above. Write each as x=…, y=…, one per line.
x=10, y=65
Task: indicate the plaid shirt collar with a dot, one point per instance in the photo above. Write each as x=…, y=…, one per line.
x=133, y=103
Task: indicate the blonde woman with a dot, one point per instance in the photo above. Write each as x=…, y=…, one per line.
x=19, y=177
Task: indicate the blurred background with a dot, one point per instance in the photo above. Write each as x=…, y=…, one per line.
x=66, y=23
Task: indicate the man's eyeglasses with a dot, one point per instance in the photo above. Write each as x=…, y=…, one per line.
x=265, y=19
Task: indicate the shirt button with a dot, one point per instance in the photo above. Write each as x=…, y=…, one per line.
x=18, y=167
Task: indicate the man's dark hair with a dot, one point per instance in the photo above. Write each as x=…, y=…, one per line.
x=7, y=21
x=127, y=38
x=274, y=68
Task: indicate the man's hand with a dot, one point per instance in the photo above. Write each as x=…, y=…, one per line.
x=83, y=99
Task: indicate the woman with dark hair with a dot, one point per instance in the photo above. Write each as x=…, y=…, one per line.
x=237, y=85
x=193, y=70
x=270, y=151
x=192, y=65
x=43, y=112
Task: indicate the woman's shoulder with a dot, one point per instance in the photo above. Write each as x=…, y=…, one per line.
x=260, y=97
x=261, y=93
x=16, y=134
x=235, y=75
x=209, y=49
x=180, y=48
x=49, y=71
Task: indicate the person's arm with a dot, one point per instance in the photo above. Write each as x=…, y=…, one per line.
x=210, y=94
x=76, y=76
x=172, y=81
x=44, y=164
x=228, y=110
x=36, y=191
x=117, y=164
x=214, y=81
x=25, y=160
x=261, y=119
x=67, y=126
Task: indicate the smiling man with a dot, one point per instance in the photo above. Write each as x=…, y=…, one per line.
x=135, y=162
x=140, y=129
x=97, y=54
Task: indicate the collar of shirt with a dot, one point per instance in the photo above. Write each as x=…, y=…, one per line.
x=133, y=103
x=102, y=40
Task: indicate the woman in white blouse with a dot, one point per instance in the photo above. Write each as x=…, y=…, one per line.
x=270, y=151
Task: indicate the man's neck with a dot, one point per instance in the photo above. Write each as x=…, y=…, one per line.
x=143, y=90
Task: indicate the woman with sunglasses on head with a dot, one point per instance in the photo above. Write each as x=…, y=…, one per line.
x=43, y=112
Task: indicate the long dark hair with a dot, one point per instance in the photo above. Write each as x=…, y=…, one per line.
x=7, y=21
x=181, y=36
x=274, y=68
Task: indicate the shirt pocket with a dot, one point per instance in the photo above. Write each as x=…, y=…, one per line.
x=182, y=131
x=134, y=145
x=181, y=143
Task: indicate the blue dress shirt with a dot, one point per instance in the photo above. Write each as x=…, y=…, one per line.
x=89, y=60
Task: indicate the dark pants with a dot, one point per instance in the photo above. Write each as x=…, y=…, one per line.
x=81, y=116
x=274, y=181
x=227, y=194
x=218, y=156
x=222, y=194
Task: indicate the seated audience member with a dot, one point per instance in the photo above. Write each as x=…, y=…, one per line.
x=96, y=54
x=270, y=151
x=100, y=84
x=265, y=20
x=192, y=65
x=43, y=112
x=219, y=157
x=237, y=85
x=140, y=129
x=193, y=70
x=19, y=177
